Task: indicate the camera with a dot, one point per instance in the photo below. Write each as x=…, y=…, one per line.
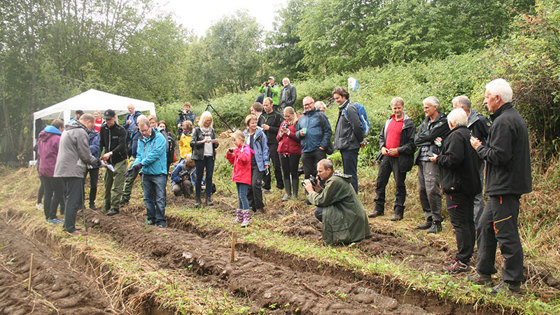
x=311, y=179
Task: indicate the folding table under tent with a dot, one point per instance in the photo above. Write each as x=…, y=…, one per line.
x=90, y=101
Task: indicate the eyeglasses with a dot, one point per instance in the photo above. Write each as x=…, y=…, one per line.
x=308, y=104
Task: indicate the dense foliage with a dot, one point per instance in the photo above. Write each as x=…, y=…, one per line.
x=51, y=50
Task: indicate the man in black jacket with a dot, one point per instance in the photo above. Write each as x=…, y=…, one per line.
x=113, y=142
x=433, y=128
x=479, y=127
x=508, y=176
x=459, y=181
x=288, y=95
x=348, y=134
x=272, y=121
x=396, y=141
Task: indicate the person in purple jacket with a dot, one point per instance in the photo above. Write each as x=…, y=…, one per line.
x=47, y=148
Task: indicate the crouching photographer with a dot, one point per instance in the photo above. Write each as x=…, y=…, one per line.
x=182, y=178
x=338, y=207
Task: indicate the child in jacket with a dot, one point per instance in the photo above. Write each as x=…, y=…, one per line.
x=240, y=157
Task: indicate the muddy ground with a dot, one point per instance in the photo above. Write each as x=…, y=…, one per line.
x=265, y=280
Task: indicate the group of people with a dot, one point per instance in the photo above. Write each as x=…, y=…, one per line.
x=451, y=153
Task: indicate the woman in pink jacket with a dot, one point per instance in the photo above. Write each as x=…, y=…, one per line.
x=240, y=157
x=289, y=149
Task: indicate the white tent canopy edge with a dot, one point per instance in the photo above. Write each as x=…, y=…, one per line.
x=90, y=101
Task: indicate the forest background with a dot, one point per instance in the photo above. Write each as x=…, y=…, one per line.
x=52, y=50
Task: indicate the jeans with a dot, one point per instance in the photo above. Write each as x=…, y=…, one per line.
x=350, y=165
x=242, y=190
x=460, y=210
x=290, y=165
x=479, y=199
x=388, y=165
x=129, y=182
x=73, y=195
x=275, y=159
x=114, y=184
x=498, y=225
x=430, y=194
x=208, y=164
x=154, y=197
x=53, y=194
x=255, y=191
x=310, y=160
x=93, y=178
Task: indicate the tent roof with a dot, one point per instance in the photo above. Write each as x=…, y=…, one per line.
x=90, y=101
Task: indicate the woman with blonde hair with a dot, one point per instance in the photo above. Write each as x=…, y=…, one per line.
x=204, y=144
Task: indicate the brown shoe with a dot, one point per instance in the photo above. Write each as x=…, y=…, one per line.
x=376, y=214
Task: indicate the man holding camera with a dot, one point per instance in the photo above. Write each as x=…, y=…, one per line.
x=338, y=207
x=271, y=90
x=182, y=178
x=185, y=114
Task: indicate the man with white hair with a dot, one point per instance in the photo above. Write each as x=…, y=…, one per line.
x=508, y=176
x=288, y=94
x=433, y=127
x=479, y=127
x=459, y=165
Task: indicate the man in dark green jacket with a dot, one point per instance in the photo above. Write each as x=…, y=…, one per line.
x=338, y=207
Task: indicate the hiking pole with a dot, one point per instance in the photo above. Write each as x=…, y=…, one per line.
x=219, y=116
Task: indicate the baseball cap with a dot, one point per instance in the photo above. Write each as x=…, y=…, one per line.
x=108, y=114
x=271, y=77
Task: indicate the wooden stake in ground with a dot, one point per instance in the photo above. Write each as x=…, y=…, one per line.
x=233, y=241
x=30, y=272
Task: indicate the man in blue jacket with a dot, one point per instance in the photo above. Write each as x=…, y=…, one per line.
x=314, y=131
x=151, y=159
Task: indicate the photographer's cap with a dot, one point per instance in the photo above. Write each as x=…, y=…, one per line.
x=108, y=114
x=271, y=77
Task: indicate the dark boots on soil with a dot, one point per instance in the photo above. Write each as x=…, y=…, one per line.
x=197, y=203
x=435, y=228
x=112, y=212
x=209, y=201
x=246, y=218
x=426, y=225
x=288, y=193
x=239, y=218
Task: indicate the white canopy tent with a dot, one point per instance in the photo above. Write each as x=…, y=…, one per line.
x=90, y=101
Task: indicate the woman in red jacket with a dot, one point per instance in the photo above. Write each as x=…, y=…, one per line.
x=289, y=149
x=240, y=157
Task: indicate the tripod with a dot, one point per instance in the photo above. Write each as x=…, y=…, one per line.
x=209, y=106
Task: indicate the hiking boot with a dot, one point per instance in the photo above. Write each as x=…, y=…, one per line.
x=424, y=226
x=376, y=214
x=148, y=222
x=397, y=217
x=286, y=197
x=456, y=267
x=503, y=286
x=239, y=218
x=124, y=202
x=480, y=279
x=209, y=201
x=112, y=212
x=435, y=228
x=246, y=218
x=197, y=203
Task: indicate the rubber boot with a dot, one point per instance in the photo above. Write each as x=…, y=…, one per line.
x=239, y=218
x=246, y=218
x=295, y=187
x=288, y=193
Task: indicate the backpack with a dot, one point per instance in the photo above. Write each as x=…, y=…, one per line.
x=363, y=117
